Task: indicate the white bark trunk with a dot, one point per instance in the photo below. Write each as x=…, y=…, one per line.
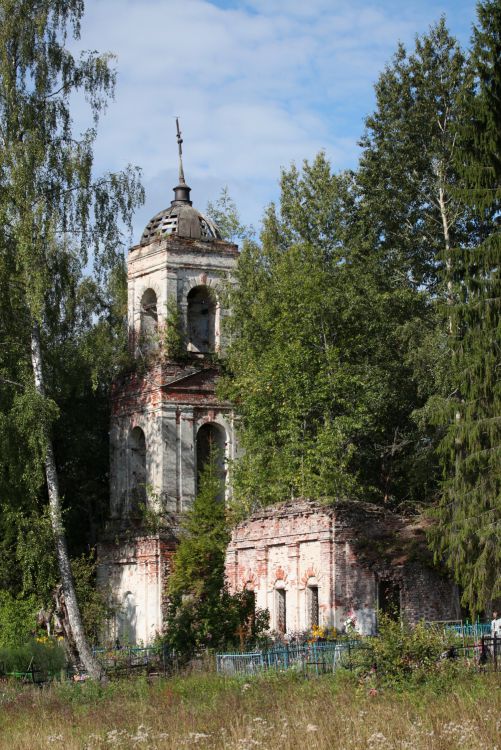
x=447, y=243
x=448, y=264
x=92, y=666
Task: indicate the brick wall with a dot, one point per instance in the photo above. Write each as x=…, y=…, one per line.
x=345, y=550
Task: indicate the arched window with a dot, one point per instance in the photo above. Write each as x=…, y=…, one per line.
x=127, y=620
x=149, y=314
x=312, y=605
x=202, y=319
x=137, y=469
x=211, y=443
x=281, y=610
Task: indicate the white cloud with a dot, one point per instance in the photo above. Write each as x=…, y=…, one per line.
x=257, y=84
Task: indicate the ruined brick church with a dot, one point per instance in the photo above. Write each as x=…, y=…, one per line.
x=306, y=563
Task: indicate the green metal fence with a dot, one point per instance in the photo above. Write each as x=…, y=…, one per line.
x=463, y=628
x=315, y=657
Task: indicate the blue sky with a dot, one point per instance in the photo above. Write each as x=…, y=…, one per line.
x=257, y=84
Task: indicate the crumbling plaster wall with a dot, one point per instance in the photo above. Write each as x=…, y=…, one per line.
x=170, y=404
x=172, y=268
x=135, y=572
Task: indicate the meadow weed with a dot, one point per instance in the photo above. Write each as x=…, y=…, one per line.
x=275, y=711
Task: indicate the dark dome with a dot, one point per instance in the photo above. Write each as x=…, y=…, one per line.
x=181, y=220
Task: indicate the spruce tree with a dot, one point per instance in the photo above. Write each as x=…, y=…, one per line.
x=468, y=530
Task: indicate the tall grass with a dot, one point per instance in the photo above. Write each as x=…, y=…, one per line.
x=275, y=711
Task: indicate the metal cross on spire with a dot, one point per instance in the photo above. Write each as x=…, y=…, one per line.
x=180, y=147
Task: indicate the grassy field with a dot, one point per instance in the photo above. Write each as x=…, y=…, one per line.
x=268, y=713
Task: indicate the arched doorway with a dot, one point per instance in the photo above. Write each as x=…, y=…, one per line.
x=202, y=320
x=211, y=443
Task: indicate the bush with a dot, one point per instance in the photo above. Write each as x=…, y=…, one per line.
x=45, y=655
x=18, y=619
x=404, y=652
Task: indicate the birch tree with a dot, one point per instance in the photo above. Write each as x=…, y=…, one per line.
x=52, y=206
x=407, y=168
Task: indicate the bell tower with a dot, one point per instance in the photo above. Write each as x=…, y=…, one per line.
x=165, y=412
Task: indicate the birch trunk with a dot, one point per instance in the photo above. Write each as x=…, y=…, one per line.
x=447, y=243
x=89, y=662
x=448, y=264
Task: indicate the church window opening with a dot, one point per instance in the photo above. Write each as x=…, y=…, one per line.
x=389, y=599
x=211, y=445
x=149, y=314
x=137, y=470
x=250, y=602
x=202, y=320
x=281, y=610
x=312, y=605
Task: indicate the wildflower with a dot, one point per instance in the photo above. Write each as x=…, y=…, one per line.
x=197, y=736
x=312, y=728
x=377, y=739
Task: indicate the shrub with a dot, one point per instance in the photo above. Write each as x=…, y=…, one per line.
x=18, y=618
x=404, y=652
x=45, y=655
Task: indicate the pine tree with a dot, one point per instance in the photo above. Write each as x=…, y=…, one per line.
x=51, y=208
x=468, y=530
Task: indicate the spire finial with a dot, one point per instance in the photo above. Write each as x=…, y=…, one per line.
x=181, y=191
x=180, y=147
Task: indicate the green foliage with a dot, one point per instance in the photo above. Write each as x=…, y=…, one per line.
x=315, y=359
x=18, y=618
x=37, y=561
x=407, y=169
x=408, y=654
x=173, y=338
x=467, y=533
x=95, y=609
x=225, y=216
x=57, y=221
x=36, y=556
x=45, y=655
x=201, y=613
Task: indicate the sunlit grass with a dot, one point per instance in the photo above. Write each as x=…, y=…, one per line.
x=268, y=713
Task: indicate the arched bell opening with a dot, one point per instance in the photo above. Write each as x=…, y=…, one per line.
x=211, y=445
x=148, y=316
x=202, y=306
